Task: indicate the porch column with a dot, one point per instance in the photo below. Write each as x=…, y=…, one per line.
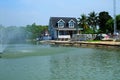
x=58, y=33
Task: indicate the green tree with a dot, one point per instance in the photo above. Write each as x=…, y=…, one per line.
x=89, y=31
x=118, y=21
x=83, y=22
x=103, y=18
x=35, y=31
x=93, y=20
x=109, y=26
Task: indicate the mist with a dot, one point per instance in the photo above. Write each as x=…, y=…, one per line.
x=11, y=35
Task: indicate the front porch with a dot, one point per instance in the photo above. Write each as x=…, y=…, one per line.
x=65, y=34
x=64, y=37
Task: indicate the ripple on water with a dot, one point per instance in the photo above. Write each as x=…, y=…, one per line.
x=66, y=63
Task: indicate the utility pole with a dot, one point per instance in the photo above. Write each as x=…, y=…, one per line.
x=114, y=11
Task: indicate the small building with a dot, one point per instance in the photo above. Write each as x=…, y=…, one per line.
x=63, y=27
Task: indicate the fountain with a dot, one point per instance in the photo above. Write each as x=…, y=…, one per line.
x=1, y=49
x=1, y=41
x=10, y=35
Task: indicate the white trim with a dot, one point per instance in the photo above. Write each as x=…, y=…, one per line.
x=59, y=25
x=64, y=36
x=71, y=25
x=61, y=20
x=71, y=21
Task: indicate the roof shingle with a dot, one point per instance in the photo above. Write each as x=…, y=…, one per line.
x=54, y=21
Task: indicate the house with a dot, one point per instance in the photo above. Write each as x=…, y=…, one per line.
x=62, y=27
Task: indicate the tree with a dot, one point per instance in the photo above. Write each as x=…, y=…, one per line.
x=109, y=26
x=103, y=18
x=83, y=22
x=93, y=20
x=35, y=31
x=118, y=21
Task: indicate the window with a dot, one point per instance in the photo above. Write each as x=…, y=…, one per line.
x=61, y=23
x=71, y=24
x=63, y=33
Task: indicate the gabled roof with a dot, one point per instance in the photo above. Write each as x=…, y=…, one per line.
x=54, y=20
x=71, y=21
x=61, y=20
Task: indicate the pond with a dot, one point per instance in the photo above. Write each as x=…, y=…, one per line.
x=46, y=62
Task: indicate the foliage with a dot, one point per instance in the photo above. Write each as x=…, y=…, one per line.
x=118, y=21
x=93, y=20
x=83, y=22
x=89, y=31
x=35, y=31
x=109, y=26
x=103, y=18
x=88, y=23
x=14, y=34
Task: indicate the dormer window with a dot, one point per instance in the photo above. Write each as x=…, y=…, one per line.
x=61, y=23
x=71, y=23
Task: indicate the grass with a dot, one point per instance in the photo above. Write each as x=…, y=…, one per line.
x=93, y=41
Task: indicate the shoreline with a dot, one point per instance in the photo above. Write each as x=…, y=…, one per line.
x=97, y=44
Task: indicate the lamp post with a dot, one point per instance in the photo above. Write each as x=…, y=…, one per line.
x=114, y=11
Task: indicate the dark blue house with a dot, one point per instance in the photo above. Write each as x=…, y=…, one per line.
x=62, y=27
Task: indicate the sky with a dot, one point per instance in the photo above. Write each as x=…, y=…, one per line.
x=26, y=12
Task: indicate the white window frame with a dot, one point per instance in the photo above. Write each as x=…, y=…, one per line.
x=61, y=23
x=71, y=23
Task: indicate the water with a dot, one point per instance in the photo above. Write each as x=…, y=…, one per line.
x=43, y=62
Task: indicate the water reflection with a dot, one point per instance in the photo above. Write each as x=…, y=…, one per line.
x=63, y=68
x=59, y=63
x=88, y=66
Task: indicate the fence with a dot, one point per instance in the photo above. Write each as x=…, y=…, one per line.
x=83, y=37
